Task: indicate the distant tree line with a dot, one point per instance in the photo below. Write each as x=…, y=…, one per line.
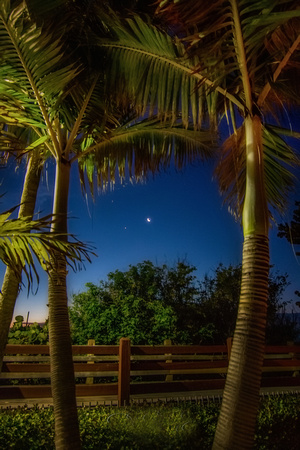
x=291, y=232
x=150, y=303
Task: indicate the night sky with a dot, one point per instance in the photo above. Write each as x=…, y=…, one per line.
x=177, y=215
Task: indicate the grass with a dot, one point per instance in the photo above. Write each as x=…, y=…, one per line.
x=155, y=426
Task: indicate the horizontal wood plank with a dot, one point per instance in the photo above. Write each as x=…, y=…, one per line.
x=40, y=358
x=44, y=391
x=282, y=349
x=157, y=365
x=97, y=361
x=176, y=386
x=169, y=356
x=282, y=363
x=95, y=349
x=177, y=349
x=15, y=349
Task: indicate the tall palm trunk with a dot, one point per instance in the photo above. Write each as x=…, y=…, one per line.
x=236, y=424
x=62, y=369
x=11, y=281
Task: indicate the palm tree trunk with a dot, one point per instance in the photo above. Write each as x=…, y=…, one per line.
x=62, y=370
x=236, y=424
x=11, y=280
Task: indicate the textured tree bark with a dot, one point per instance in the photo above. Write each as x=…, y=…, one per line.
x=236, y=424
x=12, y=280
x=67, y=435
x=237, y=419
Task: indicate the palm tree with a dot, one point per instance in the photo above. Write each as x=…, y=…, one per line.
x=12, y=141
x=20, y=239
x=234, y=60
x=110, y=151
x=32, y=68
x=64, y=105
x=12, y=280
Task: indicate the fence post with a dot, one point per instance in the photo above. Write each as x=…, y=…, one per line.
x=169, y=377
x=229, y=345
x=90, y=380
x=293, y=356
x=124, y=372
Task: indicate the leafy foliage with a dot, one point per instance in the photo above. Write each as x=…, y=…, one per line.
x=28, y=334
x=166, y=426
x=292, y=231
x=23, y=239
x=146, y=303
x=226, y=63
x=106, y=318
x=151, y=303
x=31, y=67
x=219, y=299
x=62, y=98
x=278, y=423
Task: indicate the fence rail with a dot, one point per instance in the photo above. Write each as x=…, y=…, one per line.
x=139, y=369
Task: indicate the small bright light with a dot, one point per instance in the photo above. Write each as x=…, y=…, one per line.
x=148, y=219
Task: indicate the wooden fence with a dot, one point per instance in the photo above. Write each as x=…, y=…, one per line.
x=124, y=370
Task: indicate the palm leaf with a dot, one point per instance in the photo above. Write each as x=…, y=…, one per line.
x=142, y=148
x=153, y=67
x=33, y=69
x=279, y=158
x=18, y=141
x=260, y=37
x=247, y=47
x=21, y=239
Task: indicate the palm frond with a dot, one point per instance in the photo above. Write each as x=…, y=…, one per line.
x=221, y=33
x=153, y=68
x=140, y=148
x=24, y=241
x=279, y=159
x=97, y=112
x=33, y=68
x=17, y=141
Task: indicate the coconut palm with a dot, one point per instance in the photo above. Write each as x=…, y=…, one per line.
x=140, y=146
x=238, y=59
x=64, y=104
x=32, y=67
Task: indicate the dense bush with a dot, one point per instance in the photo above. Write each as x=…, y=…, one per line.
x=25, y=428
x=28, y=334
x=147, y=303
x=157, y=426
x=151, y=303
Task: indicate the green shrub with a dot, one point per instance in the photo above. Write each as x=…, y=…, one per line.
x=169, y=426
x=278, y=423
x=28, y=334
x=25, y=429
x=145, y=427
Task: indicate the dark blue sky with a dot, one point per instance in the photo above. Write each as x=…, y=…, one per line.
x=187, y=221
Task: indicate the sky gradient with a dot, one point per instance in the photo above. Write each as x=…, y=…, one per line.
x=186, y=221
